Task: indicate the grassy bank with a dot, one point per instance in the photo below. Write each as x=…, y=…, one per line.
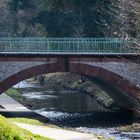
x=33, y=122
x=17, y=95
x=27, y=121
x=9, y=131
x=14, y=93
x=36, y=122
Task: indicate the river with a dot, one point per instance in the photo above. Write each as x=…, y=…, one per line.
x=77, y=111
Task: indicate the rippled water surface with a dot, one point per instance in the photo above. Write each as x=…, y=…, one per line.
x=78, y=111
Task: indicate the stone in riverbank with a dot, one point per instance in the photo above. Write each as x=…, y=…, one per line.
x=135, y=127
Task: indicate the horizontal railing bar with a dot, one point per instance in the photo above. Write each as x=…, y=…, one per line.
x=69, y=45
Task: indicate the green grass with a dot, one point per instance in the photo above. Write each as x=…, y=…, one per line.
x=36, y=122
x=27, y=121
x=15, y=94
x=12, y=92
x=32, y=122
x=9, y=131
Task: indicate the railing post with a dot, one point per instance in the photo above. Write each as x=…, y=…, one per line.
x=69, y=45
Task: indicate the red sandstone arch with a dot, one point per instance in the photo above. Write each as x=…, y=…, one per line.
x=26, y=74
x=125, y=93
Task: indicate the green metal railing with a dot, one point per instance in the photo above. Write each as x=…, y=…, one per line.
x=69, y=46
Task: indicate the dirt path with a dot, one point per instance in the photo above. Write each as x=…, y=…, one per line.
x=56, y=133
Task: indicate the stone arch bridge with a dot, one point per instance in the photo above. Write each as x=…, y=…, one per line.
x=114, y=67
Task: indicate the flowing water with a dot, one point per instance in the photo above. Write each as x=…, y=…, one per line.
x=77, y=111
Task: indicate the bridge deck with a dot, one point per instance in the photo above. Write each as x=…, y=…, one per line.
x=69, y=46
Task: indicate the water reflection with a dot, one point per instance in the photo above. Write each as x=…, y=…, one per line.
x=70, y=102
x=76, y=110
x=38, y=95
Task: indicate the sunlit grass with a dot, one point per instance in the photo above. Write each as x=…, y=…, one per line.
x=9, y=131
x=32, y=122
x=27, y=121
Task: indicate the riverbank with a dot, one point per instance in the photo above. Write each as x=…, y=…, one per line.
x=10, y=131
x=57, y=134
x=54, y=133
x=135, y=127
x=83, y=121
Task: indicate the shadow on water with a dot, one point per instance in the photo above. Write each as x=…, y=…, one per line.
x=93, y=119
x=24, y=114
x=73, y=109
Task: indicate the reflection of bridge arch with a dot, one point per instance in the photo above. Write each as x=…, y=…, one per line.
x=109, y=81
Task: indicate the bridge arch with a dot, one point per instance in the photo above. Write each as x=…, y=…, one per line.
x=108, y=81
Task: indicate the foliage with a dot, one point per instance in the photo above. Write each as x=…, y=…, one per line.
x=76, y=18
x=15, y=5
x=9, y=131
x=21, y=12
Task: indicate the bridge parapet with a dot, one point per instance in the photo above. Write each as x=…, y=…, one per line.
x=100, y=46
